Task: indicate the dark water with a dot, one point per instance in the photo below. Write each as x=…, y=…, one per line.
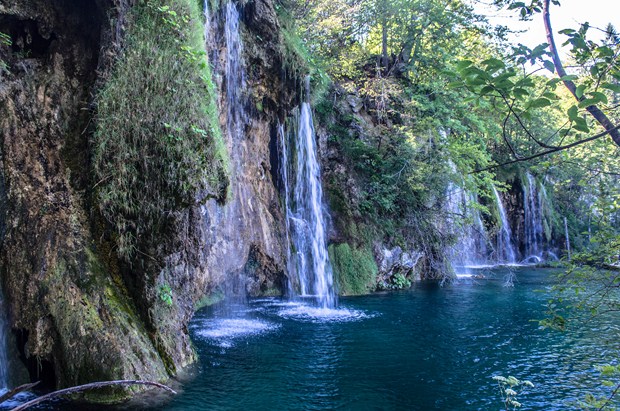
x=430, y=348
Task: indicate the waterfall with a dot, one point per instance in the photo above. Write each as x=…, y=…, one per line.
x=4, y=361
x=207, y=26
x=471, y=247
x=235, y=76
x=505, y=250
x=567, y=238
x=309, y=261
x=532, y=206
x=284, y=173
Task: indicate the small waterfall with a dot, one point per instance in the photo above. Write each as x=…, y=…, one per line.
x=207, y=26
x=304, y=211
x=505, y=250
x=4, y=361
x=567, y=238
x=284, y=173
x=532, y=206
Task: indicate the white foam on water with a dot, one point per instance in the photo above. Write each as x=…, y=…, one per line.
x=302, y=312
x=225, y=331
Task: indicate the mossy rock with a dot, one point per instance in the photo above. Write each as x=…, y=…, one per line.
x=355, y=270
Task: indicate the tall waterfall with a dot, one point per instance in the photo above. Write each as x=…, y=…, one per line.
x=309, y=260
x=235, y=76
x=505, y=249
x=532, y=206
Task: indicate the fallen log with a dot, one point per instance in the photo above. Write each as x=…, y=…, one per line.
x=86, y=387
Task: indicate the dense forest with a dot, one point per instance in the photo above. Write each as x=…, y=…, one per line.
x=162, y=156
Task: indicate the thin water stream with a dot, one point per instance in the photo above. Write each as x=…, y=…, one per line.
x=505, y=248
x=4, y=361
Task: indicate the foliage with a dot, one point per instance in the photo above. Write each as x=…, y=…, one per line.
x=157, y=148
x=508, y=390
x=165, y=293
x=355, y=270
x=610, y=375
x=397, y=282
x=299, y=62
x=5, y=42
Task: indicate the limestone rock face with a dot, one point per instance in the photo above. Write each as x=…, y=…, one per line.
x=71, y=317
x=247, y=234
x=77, y=312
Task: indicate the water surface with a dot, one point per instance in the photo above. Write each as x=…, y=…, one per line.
x=433, y=347
x=430, y=348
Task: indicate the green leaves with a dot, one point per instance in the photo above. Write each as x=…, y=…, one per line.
x=539, y=103
x=612, y=87
x=579, y=91
x=594, y=98
x=549, y=65
x=573, y=113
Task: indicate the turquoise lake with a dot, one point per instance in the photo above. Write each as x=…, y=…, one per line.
x=434, y=347
x=430, y=348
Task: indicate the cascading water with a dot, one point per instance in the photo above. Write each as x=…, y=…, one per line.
x=3, y=347
x=284, y=173
x=505, y=250
x=471, y=248
x=309, y=261
x=532, y=206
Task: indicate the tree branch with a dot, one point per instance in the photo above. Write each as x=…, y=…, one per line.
x=554, y=150
x=86, y=387
x=570, y=85
x=12, y=393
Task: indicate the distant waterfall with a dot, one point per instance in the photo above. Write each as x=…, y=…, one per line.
x=207, y=17
x=533, y=213
x=4, y=361
x=471, y=247
x=505, y=249
x=309, y=260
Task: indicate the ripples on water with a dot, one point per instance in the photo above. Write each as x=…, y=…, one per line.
x=432, y=348
x=429, y=348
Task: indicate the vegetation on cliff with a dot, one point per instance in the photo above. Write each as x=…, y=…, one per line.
x=158, y=147
x=427, y=96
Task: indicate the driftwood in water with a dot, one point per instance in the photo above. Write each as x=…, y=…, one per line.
x=86, y=387
x=12, y=393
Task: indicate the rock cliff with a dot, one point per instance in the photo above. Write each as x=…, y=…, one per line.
x=79, y=309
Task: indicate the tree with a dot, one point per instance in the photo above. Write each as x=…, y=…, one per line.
x=592, y=83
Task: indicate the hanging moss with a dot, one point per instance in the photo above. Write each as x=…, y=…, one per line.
x=157, y=146
x=355, y=270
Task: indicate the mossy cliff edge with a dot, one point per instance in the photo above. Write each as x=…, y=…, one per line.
x=115, y=174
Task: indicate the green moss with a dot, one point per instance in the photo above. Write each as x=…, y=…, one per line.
x=298, y=61
x=355, y=270
x=157, y=142
x=209, y=299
